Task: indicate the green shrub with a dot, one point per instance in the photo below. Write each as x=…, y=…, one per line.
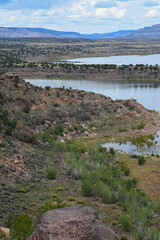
x=60, y=189
x=21, y=227
x=154, y=234
x=114, y=223
x=51, y=173
x=71, y=199
x=123, y=237
x=50, y=153
x=8, y=131
x=81, y=202
x=134, y=156
x=95, y=177
x=131, y=183
x=133, y=127
x=122, y=129
x=106, y=195
x=141, y=160
x=11, y=124
x=54, y=196
x=26, y=109
x=49, y=206
x=151, y=137
x=126, y=223
x=2, y=235
x=47, y=137
x=113, y=206
x=76, y=127
x=70, y=129
x=112, y=151
x=127, y=171
x=91, y=184
x=87, y=187
x=47, y=88
x=45, y=207
x=56, y=105
x=141, y=125
x=58, y=129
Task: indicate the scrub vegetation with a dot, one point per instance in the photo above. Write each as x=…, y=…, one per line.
x=51, y=157
x=45, y=58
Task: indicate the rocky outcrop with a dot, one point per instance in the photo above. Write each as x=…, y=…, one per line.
x=78, y=223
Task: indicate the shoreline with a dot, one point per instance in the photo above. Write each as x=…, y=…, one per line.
x=81, y=79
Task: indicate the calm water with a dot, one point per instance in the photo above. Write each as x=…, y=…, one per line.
x=120, y=60
x=128, y=147
x=146, y=93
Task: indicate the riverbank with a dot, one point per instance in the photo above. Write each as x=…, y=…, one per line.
x=90, y=72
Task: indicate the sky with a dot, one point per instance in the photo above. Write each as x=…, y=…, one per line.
x=84, y=16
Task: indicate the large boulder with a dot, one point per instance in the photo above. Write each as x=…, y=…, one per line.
x=77, y=223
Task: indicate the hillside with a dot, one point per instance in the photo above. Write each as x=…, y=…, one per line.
x=42, y=129
x=22, y=32
x=146, y=32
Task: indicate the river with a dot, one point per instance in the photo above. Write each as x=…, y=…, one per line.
x=120, y=60
x=145, y=92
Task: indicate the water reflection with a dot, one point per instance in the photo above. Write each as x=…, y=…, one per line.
x=153, y=59
x=130, y=148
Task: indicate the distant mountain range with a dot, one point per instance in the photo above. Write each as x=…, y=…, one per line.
x=146, y=32
x=42, y=32
x=10, y=32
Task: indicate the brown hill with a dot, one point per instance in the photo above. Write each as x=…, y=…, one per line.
x=27, y=110
x=33, y=120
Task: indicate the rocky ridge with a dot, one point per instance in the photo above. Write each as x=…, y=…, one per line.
x=27, y=110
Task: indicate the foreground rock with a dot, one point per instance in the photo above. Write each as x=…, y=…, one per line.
x=6, y=231
x=78, y=223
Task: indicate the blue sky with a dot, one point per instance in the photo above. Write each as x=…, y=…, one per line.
x=84, y=16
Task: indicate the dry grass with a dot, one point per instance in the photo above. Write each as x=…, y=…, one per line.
x=148, y=175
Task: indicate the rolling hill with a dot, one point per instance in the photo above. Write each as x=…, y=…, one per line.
x=11, y=32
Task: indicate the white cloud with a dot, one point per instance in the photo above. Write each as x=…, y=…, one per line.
x=102, y=13
x=118, y=13
x=152, y=13
x=50, y=12
x=110, y=13
x=12, y=18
